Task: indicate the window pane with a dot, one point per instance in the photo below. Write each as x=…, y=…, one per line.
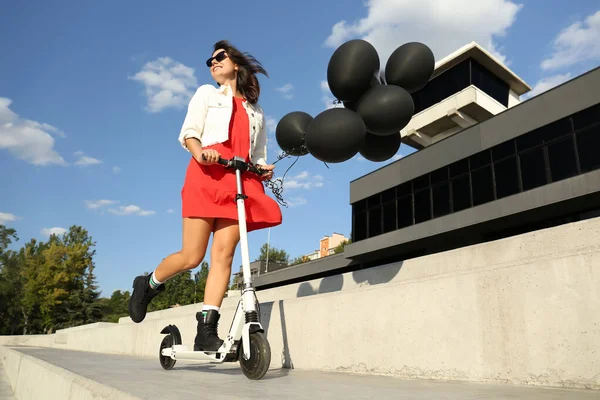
x=422, y=206
x=533, y=169
x=489, y=83
x=421, y=182
x=441, y=200
x=480, y=159
x=483, y=186
x=405, y=213
x=360, y=226
x=588, y=143
x=503, y=150
x=461, y=193
x=585, y=118
x=459, y=167
x=440, y=175
x=389, y=217
x=375, y=222
x=507, y=177
x=561, y=156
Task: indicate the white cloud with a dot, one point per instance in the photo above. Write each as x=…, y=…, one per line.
x=116, y=169
x=131, y=209
x=546, y=84
x=54, y=231
x=304, y=181
x=96, y=204
x=28, y=140
x=444, y=26
x=286, y=90
x=296, y=201
x=579, y=42
x=327, y=98
x=168, y=83
x=170, y=211
x=271, y=124
x=84, y=160
x=7, y=217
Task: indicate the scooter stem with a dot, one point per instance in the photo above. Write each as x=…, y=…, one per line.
x=247, y=292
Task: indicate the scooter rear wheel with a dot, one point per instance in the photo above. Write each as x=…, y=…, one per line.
x=260, y=356
x=165, y=361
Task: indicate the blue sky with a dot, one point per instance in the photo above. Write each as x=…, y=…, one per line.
x=85, y=140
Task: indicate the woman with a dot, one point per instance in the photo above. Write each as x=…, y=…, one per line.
x=220, y=122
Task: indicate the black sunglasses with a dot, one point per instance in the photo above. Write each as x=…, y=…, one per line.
x=219, y=57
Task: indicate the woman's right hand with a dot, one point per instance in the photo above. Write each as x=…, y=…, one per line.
x=209, y=156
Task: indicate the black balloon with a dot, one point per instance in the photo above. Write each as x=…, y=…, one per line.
x=375, y=81
x=410, y=66
x=385, y=109
x=351, y=69
x=335, y=135
x=290, y=132
x=380, y=148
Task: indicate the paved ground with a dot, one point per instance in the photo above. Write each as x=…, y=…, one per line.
x=144, y=378
x=6, y=392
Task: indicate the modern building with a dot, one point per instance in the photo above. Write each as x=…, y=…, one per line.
x=467, y=87
x=488, y=166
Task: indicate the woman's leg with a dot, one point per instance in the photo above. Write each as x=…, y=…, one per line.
x=225, y=240
x=196, y=232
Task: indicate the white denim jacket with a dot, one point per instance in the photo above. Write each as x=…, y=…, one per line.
x=208, y=116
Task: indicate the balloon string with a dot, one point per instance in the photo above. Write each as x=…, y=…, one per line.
x=276, y=185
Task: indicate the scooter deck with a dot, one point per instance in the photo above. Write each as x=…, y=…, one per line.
x=181, y=352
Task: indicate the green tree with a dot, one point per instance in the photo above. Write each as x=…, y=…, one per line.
x=200, y=278
x=11, y=284
x=340, y=247
x=275, y=254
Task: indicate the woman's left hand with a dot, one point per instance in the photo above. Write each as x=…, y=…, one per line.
x=269, y=174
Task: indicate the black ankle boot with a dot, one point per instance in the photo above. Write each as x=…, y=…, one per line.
x=142, y=296
x=207, y=338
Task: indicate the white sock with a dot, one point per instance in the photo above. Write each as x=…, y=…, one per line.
x=206, y=308
x=154, y=283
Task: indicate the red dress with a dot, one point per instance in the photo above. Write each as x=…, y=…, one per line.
x=209, y=190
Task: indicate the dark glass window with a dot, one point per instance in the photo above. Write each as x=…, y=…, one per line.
x=533, y=169
x=588, y=143
x=422, y=206
x=556, y=151
x=562, y=159
x=483, y=185
x=489, y=83
x=507, y=177
x=457, y=78
x=443, y=86
x=441, y=200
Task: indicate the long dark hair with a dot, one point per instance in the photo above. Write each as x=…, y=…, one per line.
x=246, y=81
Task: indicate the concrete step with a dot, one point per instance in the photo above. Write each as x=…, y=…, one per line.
x=107, y=376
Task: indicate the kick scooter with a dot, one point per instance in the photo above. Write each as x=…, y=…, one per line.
x=246, y=340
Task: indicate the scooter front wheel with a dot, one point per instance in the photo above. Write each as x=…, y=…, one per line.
x=260, y=356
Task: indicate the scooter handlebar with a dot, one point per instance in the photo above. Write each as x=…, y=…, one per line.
x=237, y=163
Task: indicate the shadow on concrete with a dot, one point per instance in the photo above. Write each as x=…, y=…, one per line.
x=379, y=275
x=286, y=358
x=218, y=369
x=328, y=284
x=266, y=311
x=371, y=275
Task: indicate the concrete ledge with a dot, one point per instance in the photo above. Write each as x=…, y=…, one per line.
x=521, y=310
x=34, y=379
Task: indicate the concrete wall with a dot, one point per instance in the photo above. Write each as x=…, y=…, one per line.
x=522, y=310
